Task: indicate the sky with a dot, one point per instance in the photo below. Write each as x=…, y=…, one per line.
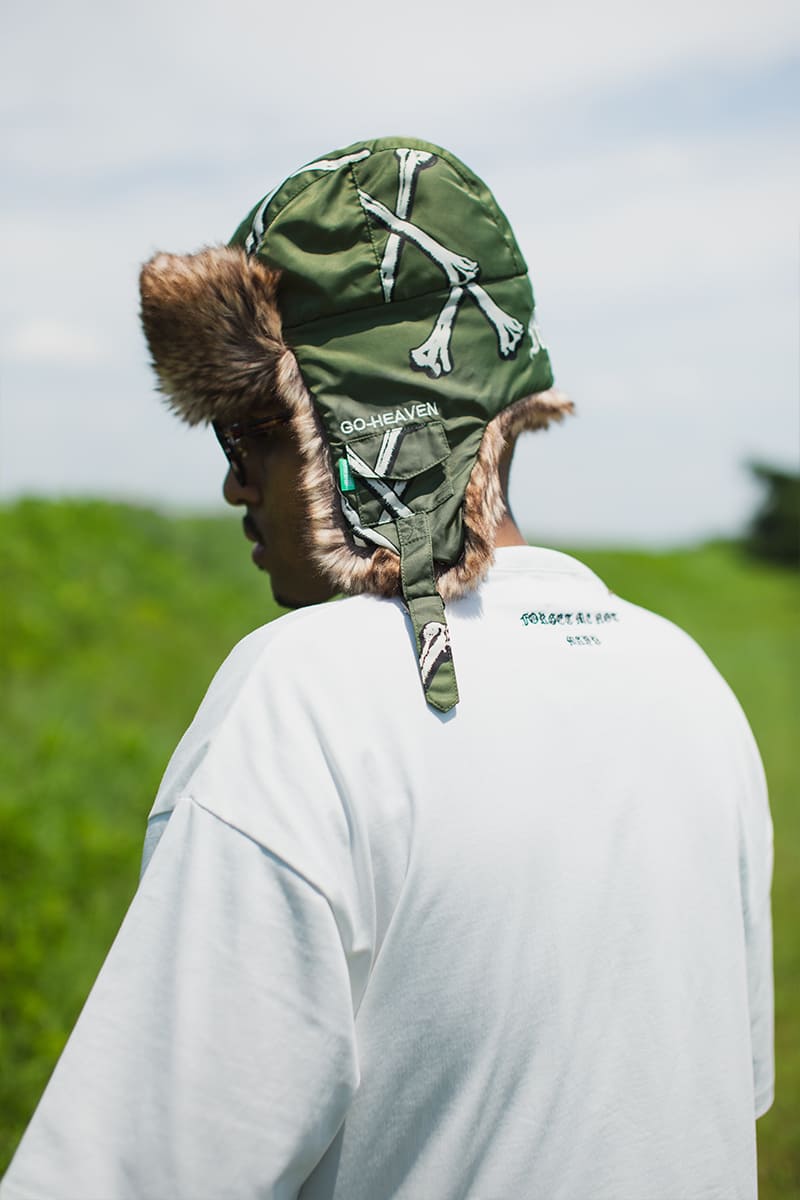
x=646, y=155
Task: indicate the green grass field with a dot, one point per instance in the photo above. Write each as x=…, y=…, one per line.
x=112, y=623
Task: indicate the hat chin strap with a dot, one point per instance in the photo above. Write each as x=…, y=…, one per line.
x=426, y=609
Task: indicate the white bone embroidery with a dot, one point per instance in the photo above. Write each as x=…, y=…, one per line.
x=535, y=334
x=433, y=355
x=390, y=495
x=508, y=329
x=461, y=272
x=411, y=163
x=457, y=267
x=366, y=535
x=434, y=649
x=372, y=478
x=389, y=449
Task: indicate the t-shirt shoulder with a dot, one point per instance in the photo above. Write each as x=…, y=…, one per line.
x=672, y=638
x=298, y=654
x=316, y=625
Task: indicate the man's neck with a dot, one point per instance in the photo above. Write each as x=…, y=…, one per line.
x=508, y=533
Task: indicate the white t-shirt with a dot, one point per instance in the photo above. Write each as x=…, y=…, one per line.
x=520, y=950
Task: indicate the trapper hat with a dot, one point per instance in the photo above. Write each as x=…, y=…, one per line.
x=379, y=297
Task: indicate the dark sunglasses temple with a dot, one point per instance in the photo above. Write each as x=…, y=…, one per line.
x=231, y=452
x=230, y=439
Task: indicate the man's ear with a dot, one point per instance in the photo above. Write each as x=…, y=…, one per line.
x=213, y=327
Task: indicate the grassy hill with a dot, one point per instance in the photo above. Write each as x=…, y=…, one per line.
x=112, y=623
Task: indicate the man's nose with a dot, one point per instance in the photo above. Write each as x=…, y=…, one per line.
x=237, y=493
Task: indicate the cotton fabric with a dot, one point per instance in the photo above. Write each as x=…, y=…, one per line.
x=522, y=949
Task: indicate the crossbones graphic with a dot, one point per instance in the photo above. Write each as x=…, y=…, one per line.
x=460, y=272
x=374, y=477
x=390, y=495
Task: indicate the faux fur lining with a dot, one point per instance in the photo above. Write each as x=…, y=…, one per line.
x=214, y=330
x=484, y=508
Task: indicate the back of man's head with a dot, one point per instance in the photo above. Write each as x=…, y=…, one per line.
x=378, y=297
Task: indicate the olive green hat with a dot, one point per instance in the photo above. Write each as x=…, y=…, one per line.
x=379, y=296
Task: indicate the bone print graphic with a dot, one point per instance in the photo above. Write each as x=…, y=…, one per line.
x=411, y=163
x=378, y=486
x=365, y=535
x=535, y=334
x=374, y=477
x=434, y=641
x=390, y=496
x=461, y=272
x=456, y=267
x=433, y=355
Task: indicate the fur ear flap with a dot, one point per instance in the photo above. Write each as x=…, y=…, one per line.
x=214, y=330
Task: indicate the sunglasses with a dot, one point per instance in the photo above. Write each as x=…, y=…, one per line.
x=233, y=438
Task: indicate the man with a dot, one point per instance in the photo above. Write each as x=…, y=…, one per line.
x=455, y=888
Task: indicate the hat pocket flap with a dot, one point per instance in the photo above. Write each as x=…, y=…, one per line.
x=403, y=451
x=401, y=470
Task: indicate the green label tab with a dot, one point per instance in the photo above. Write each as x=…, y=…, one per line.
x=346, y=481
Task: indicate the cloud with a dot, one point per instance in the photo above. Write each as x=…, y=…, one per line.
x=53, y=341
x=664, y=219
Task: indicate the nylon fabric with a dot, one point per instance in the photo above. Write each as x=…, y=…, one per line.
x=426, y=610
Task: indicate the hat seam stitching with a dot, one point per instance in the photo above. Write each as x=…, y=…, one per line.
x=396, y=303
x=350, y=168
x=364, y=217
x=472, y=182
